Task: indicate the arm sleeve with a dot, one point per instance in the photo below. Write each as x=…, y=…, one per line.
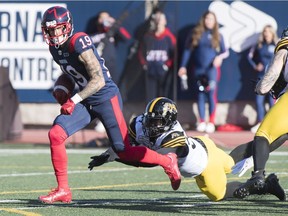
x=224, y=52
x=171, y=50
x=140, y=53
x=185, y=57
x=250, y=57
x=80, y=42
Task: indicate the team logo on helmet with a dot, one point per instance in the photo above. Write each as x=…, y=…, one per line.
x=58, y=18
x=160, y=115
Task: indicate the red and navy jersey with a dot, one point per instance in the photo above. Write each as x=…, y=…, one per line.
x=157, y=49
x=67, y=58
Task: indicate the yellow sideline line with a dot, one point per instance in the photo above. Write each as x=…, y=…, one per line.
x=20, y=212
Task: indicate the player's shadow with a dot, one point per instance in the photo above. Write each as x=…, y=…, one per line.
x=174, y=204
x=140, y=191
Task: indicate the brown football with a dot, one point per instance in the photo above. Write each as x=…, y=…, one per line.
x=63, y=88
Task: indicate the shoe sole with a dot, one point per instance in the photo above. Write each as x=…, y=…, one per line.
x=63, y=201
x=243, y=192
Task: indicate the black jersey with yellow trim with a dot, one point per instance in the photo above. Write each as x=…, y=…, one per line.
x=174, y=139
x=282, y=44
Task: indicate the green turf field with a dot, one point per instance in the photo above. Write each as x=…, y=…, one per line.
x=115, y=189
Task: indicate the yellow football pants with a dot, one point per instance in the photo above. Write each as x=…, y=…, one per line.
x=275, y=122
x=212, y=182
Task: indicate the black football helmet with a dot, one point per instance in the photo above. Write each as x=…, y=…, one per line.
x=160, y=115
x=284, y=33
x=57, y=17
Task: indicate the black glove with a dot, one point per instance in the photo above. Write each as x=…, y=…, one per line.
x=98, y=160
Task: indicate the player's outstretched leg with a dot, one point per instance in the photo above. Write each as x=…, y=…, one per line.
x=143, y=155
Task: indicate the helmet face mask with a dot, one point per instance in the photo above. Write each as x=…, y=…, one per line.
x=160, y=115
x=153, y=126
x=57, y=25
x=284, y=33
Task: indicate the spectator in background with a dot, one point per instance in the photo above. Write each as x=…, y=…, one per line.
x=207, y=48
x=106, y=33
x=259, y=57
x=156, y=53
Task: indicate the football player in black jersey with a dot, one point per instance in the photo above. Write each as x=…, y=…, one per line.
x=198, y=157
x=274, y=126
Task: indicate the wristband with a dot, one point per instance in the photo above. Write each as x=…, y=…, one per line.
x=62, y=88
x=76, y=98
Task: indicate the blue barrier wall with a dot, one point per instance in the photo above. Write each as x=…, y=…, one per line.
x=241, y=23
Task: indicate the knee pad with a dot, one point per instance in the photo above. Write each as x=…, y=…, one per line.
x=57, y=135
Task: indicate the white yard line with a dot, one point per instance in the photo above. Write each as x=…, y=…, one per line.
x=6, y=152
x=107, y=202
x=69, y=172
x=12, y=201
x=84, y=151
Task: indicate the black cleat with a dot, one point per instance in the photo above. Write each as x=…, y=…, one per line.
x=254, y=185
x=241, y=193
x=273, y=187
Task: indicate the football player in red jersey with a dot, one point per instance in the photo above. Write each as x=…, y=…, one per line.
x=99, y=97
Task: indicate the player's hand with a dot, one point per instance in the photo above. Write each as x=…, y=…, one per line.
x=68, y=107
x=145, y=67
x=165, y=67
x=98, y=160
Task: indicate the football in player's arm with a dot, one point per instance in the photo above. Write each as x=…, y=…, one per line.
x=63, y=88
x=98, y=97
